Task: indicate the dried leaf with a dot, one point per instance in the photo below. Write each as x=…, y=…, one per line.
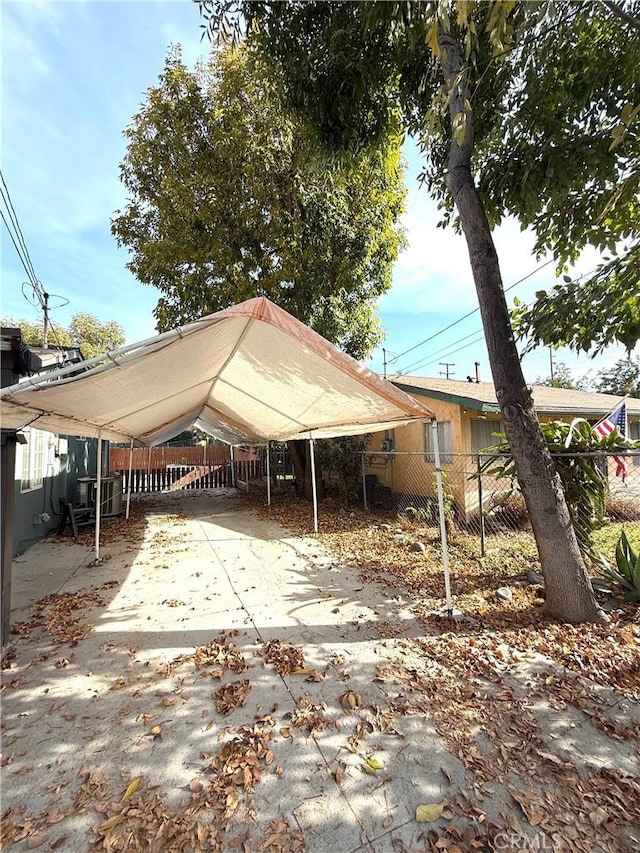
x=349, y=701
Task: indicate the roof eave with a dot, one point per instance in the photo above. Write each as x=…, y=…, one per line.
x=467, y=402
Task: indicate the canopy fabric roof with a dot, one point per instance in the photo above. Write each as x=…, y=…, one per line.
x=247, y=374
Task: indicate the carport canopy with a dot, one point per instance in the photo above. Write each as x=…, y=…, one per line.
x=246, y=375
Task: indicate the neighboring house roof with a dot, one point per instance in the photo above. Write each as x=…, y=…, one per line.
x=481, y=396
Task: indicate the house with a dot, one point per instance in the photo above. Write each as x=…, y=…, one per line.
x=468, y=416
x=47, y=466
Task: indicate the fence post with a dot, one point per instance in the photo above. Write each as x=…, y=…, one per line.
x=483, y=542
x=98, y=498
x=443, y=527
x=268, y=478
x=129, y=479
x=313, y=484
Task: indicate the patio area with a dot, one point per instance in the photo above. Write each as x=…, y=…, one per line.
x=215, y=683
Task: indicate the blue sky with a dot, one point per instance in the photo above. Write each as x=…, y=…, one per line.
x=73, y=76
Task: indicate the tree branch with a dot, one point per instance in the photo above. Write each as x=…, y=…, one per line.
x=619, y=12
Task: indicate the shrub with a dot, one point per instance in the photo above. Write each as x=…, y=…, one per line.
x=627, y=574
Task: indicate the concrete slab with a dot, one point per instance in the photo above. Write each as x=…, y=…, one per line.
x=152, y=665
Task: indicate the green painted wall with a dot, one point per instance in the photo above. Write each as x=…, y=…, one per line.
x=80, y=461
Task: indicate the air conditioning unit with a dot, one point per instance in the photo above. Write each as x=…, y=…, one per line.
x=111, y=487
x=386, y=445
x=112, y=496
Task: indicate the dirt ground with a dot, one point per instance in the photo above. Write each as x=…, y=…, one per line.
x=224, y=681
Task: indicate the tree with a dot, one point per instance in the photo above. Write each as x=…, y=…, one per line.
x=569, y=167
x=585, y=316
x=450, y=72
x=563, y=378
x=623, y=379
x=229, y=201
x=85, y=332
x=342, y=458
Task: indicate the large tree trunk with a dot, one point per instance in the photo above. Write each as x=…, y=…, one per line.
x=301, y=460
x=569, y=596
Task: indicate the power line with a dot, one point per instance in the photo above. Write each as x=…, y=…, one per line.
x=447, y=351
x=17, y=248
x=432, y=358
x=471, y=313
x=12, y=225
x=23, y=252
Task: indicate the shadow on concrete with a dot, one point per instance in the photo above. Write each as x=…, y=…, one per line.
x=82, y=718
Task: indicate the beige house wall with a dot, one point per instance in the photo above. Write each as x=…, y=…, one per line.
x=414, y=475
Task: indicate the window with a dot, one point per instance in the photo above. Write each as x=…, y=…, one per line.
x=34, y=454
x=482, y=433
x=444, y=442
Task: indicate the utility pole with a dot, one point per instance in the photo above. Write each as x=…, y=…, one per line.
x=45, y=320
x=551, y=362
x=446, y=372
x=384, y=362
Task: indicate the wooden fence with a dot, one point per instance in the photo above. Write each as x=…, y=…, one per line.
x=156, y=458
x=173, y=477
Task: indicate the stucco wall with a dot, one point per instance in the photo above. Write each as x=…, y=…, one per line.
x=414, y=475
x=63, y=471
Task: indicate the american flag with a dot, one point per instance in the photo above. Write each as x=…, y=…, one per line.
x=617, y=419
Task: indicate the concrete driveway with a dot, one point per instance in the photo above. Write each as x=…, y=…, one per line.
x=216, y=684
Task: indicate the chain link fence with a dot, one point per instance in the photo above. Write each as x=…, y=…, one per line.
x=480, y=503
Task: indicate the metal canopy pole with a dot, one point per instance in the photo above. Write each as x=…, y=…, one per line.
x=129, y=479
x=443, y=526
x=233, y=466
x=98, y=497
x=364, y=484
x=313, y=485
x=268, y=478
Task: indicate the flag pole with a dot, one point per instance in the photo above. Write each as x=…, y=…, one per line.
x=613, y=411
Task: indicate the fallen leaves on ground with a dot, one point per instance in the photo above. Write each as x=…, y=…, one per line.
x=309, y=715
x=220, y=655
x=285, y=658
x=608, y=654
x=60, y=615
x=457, y=679
x=230, y=696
